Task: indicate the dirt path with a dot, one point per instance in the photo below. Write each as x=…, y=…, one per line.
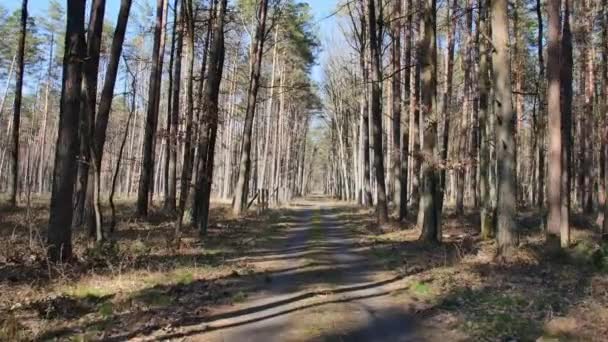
x=326, y=289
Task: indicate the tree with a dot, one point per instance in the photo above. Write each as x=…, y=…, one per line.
x=242, y=186
x=376, y=111
x=429, y=214
x=604, y=151
x=210, y=116
x=486, y=210
x=451, y=24
x=173, y=112
x=59, y=236
x=85, y=190
x=566, y=122
x=17, y=105
x=105, y=104
x=145, y=179
x=396, y=102
x=555, y=135
x=406, y=95
x=507, y=236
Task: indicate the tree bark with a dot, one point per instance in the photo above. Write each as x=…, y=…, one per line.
x=429, y=213
x=84, y=188
x=507, y=236
x=604, y=148
x=405, y=138
x=17, y=106
x=553, y=100
x=105, y=102
x=540, y=189
x=451, y=24
x=173, y=113
x=396, y=101
x=486, y=212
x=566, y=129
x=242, y=186
x=59, y=236
x=145, y=178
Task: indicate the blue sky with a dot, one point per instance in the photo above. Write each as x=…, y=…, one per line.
x=321, y=8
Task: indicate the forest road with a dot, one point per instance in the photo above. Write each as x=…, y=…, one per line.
x=327, y=289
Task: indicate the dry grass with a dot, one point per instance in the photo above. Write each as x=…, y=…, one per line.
x=144, y=282
x=540, y=293
x=138, y=274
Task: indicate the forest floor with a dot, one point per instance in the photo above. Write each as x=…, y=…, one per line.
x=314, y=271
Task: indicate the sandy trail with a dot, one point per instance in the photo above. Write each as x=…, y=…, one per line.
x=329, y=290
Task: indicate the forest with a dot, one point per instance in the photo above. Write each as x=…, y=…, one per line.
x=291, y=170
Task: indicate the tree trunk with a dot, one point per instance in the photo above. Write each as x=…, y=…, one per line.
x=365, y=148
x=604, y=148
x=555, y=142
x=105, y=101
x=376, y=110
x=451, y=24
x=173, y=114
x=486, y=213
x=242, y=186
x=84, y=195
x=429, y=211
x=145, y=178
x=17, y=106
x=539, y=129
x=405, y=139
x=507, y=236
x=396, y=102
x=566, y=122
x=59, y=237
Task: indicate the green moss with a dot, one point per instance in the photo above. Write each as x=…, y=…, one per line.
x=87, y=292
x=154, y=297
x=239, y=297
x=106, y=309
x=421, y=289
x=183, y=277
x=489, y=314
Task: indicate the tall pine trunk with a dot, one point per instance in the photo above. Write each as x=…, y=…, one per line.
x=429, y=212
x=507, y=236
x=173, y=113
x=485, y=163
x=17, y=106
x=242, y=186
x=145, y=179
x=59, y=236
x=566, y=113
x=396, y=101
x=554, y=192
x=84, y=189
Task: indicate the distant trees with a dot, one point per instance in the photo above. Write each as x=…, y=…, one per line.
x=391, y=125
